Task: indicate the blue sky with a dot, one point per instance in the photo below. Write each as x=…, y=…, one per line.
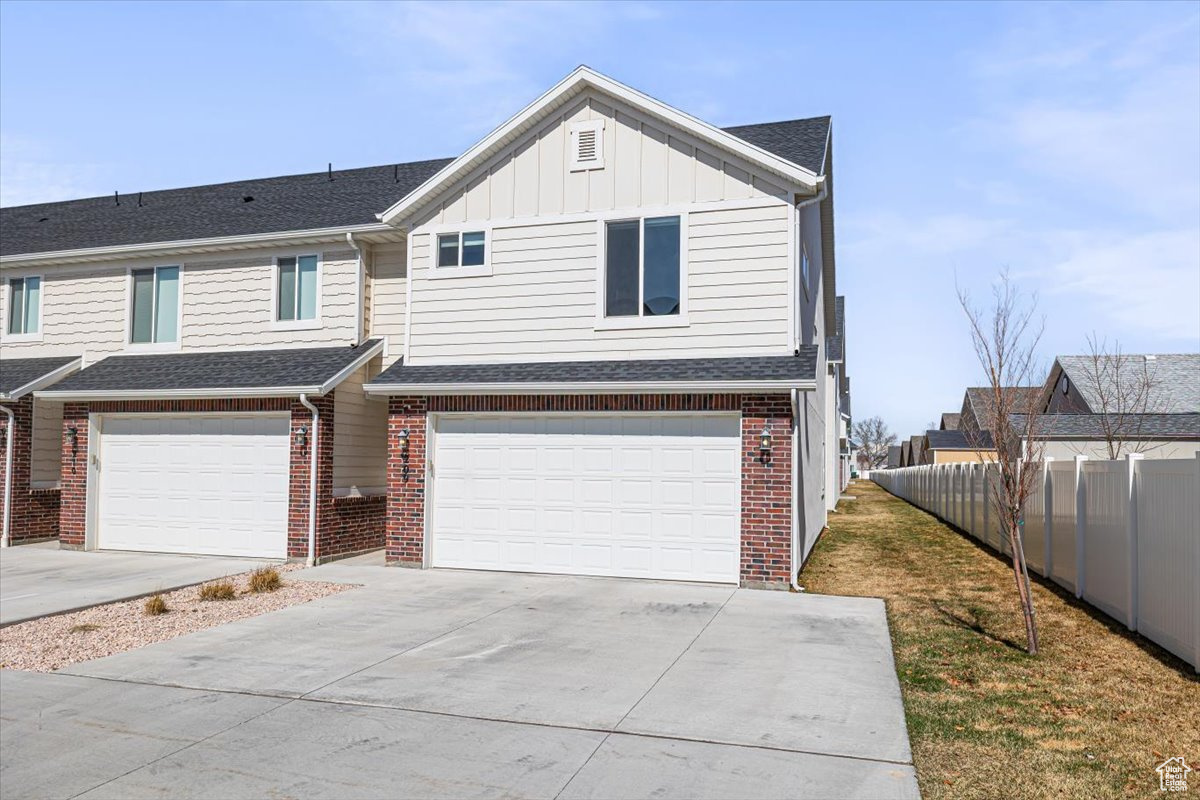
x=1059, y=141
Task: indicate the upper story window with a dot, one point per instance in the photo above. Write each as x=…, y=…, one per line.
x=642, y=275
x=154, y=306
x=24, y=306
x=465, y=249
x=296, y=288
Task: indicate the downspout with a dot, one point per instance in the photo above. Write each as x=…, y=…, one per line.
x=818, y=197
x=8, y=459
x=312, y=480
x=795, y=575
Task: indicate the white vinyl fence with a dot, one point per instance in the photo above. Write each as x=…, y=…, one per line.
x=1123, y=535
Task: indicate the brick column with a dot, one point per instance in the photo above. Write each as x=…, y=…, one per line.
x=72, y=518
x=406, y=481
x=766, y=492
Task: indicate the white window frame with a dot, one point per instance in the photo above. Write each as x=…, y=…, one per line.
x=483, y=270
x=34, y=336
x=641, y=321
x=595, y=126
x=296, y=324
x=153, y=346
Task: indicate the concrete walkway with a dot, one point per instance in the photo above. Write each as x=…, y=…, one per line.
x=457, y=684
x=38, y=580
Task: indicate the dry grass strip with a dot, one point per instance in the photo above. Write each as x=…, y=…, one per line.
x=1091, y=716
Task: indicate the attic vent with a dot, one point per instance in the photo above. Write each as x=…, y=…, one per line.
x=587, y=145
x=248, y=199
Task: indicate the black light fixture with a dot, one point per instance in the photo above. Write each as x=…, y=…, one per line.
x=403, y=441
x=73, y=438
x=302, y=437
x=764, y=445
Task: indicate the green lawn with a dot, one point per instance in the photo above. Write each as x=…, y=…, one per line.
x=1089, y=717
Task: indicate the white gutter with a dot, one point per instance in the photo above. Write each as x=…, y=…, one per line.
x=8, y=459
x=796, y=523
x=312, y=479
x=185, y=245
x=818, y=197
x=45, y=380
x=590, y=387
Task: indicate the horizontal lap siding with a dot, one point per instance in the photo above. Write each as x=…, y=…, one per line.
x=46, y=456
x=540, y=301
x=226, y=303
x=360, y=435
x=389, y=287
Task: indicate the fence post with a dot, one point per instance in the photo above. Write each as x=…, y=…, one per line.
x=1047, y=517
x=1080, y=523
x=1195, y=583
x=971, y=490
x=987, y=506
x=1131, y=600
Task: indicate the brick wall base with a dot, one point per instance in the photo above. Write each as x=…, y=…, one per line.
x=34, y=513
x=345, y=526
x=766, y=482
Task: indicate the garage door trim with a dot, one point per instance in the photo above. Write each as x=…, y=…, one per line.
x=431, y=433
x=94, y=445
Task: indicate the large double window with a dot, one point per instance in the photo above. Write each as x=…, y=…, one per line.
x=24, y=306
x=642, y=268
x=296, y=287
x=154, y=306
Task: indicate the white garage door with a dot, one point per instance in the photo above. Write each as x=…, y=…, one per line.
x=211, y=484
x=625, y=495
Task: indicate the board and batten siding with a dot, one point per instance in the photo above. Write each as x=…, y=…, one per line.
x=540, y=302
x=227, y=303
x=359, y=435
x=645, y=166
x=388, y=296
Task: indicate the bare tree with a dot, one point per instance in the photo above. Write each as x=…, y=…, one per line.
x=1123, y=389
x=1006, y=336
x=874, y=439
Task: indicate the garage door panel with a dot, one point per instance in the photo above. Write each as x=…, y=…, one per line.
x=194, y=484
x=640, y=495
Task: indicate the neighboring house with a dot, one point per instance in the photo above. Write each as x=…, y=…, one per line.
x=946, y=447
x=905, y=453
x=595, y=343
x=977, y=418
x=1064, y=436
x=1081, y=384
x=916, y=451
x=895, y=456
x=950, y=421
x=838, y=412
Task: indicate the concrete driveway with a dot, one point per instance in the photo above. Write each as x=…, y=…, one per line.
x=38, y=580
x=455, y=684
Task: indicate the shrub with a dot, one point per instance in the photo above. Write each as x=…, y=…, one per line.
x=221, y=590
x=155, y=605
x=265, y=579
x=85, y=627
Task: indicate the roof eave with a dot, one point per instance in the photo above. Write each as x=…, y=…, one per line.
x=48, y=379
x=149, y=249
x=590, y=387
x=579, y=79
x=100, y=395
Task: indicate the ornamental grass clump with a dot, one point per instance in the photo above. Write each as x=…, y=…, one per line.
x=221, y=590
x=265, y=579
x=155, y=605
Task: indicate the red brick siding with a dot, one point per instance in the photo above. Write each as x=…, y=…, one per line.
x=34, y=513
x=344, y=525
x=766, y=487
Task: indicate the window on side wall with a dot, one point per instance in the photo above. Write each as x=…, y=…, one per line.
x=642, y=268
x=462, y=249
x=154, y=306
x=24, y=306
x=296, y=289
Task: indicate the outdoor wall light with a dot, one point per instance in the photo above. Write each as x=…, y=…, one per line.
x=73, y=439
x=302, y=436
x=764, y=445
x=403, y=440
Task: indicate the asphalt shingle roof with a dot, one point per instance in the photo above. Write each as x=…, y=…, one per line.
x=956, y=440
x=293, y=368
x=980, y=397
x=288, y=203
x=1131, y=426
x=950, y=421
x=893, y=456
x=1175, y=378
x=765, y=368
x=18, y=372
x=916, y=447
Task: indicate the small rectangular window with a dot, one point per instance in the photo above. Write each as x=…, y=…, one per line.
x=155, y=306
x=297, y=289
x=642, y=268
x=24, y=305
x=467, y=249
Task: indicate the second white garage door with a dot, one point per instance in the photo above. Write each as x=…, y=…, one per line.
x=648, y=496
x=214, y=484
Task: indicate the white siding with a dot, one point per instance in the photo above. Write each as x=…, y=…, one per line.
x=644, y=166
x=389, y=287
x=1065, y=450
x=541, y=300
x=359, y=435
x=227, y=303
x=46, y=449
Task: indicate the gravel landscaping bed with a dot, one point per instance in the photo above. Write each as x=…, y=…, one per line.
x=50, y=643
